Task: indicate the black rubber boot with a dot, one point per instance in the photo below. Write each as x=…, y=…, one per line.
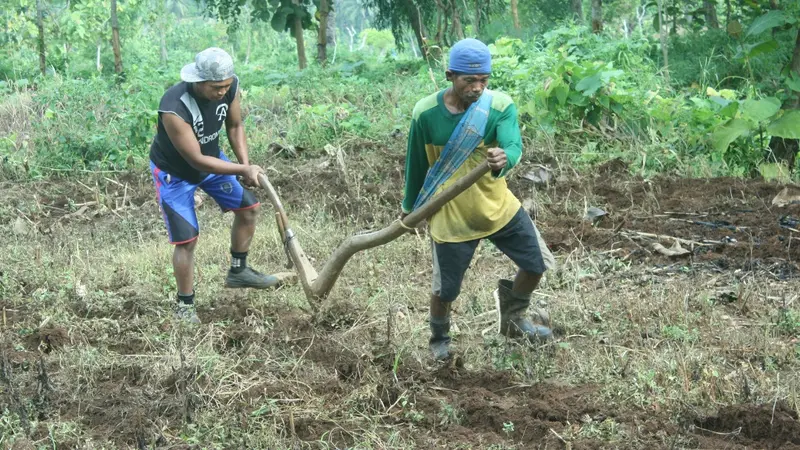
x=513, y=322
x=439, y=342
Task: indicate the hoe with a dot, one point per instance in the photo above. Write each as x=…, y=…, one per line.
x=317, y=285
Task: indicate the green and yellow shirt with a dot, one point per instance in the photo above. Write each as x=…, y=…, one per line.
x=488, y=205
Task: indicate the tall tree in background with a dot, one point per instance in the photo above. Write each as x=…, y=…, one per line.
x=477, y=22
x=115, y=38
x=795, y=65
x=456, y=16
x=728, y=9
x=515, y=14
x=296, y=20
x=597, y=16
x=162, y=25
x=577, y=10
x=710, y=10
x=662, y=35
x=322, y=34
x=399, y=14
x=40, y=28
x=292, y=16
x=353, y=15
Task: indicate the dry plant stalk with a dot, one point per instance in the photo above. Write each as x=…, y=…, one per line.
x=317, y=286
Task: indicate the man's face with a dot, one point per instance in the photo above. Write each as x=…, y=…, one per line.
x=213, y=90
x=468, y=88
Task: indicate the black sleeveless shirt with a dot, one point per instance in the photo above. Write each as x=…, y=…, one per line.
x=206, y=118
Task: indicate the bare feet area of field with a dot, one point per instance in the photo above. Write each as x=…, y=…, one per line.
x=687, y=346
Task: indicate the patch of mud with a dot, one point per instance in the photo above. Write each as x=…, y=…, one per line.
x=614, y=166
x=124, y=374
x=56, y=205
x=482, y=404
x=756, y=426
x=48, y=339
x=226, y=310
x=129, y=344
x=344, y=362
x=347, y=194
x=734, y=217
x=339, y=315
x=311, y=429
x=124, y=415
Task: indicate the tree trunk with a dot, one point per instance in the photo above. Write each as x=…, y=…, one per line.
x=352, y=32
x=674, y=30
x=663, y=37
x=597, y=16
x=97, y=60
x=115, y=38
x=164, y=14
x=40, y=26
x=795, y=65
x=457, y=29
x=477, y=24
x=301, y=45
x=441, y=22
x=250, y=32
x=710, y=7
x=727, y=12
x=363, y=42
x=413, y=49
x=439, y=26
x=577, y=11
x=335, y=48
x=322, y=33
x=515, y=14
x=331, y=34
x=415, y=18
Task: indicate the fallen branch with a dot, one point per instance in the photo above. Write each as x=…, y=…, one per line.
x=677, y=213
x=634, y=234
x=724, y=225
x=318, y=285
x=676, y=251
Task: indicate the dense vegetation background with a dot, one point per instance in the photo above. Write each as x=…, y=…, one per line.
x=697, y=87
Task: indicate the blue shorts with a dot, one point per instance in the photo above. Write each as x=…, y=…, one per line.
x=176, y=200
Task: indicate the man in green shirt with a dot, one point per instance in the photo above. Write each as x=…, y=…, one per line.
x=487, y=209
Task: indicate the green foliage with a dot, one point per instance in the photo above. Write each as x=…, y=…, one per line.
x=730, y=92
x=287, y=11
x=103, y=128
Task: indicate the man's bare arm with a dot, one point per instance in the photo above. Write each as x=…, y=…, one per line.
x=235, y=128
x=183, y=138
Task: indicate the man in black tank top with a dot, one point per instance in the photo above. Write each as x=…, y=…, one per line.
x=185, y=155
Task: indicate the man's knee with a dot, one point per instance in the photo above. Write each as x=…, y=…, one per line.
x=447, y=294
x=248, y=215
x=530, y=274
x=187, y=247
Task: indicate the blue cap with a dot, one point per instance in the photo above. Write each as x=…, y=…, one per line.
x=470, y=56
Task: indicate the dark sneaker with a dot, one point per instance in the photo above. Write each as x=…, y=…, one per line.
x=512, y=320
x=250, y=278
x=186, y=313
